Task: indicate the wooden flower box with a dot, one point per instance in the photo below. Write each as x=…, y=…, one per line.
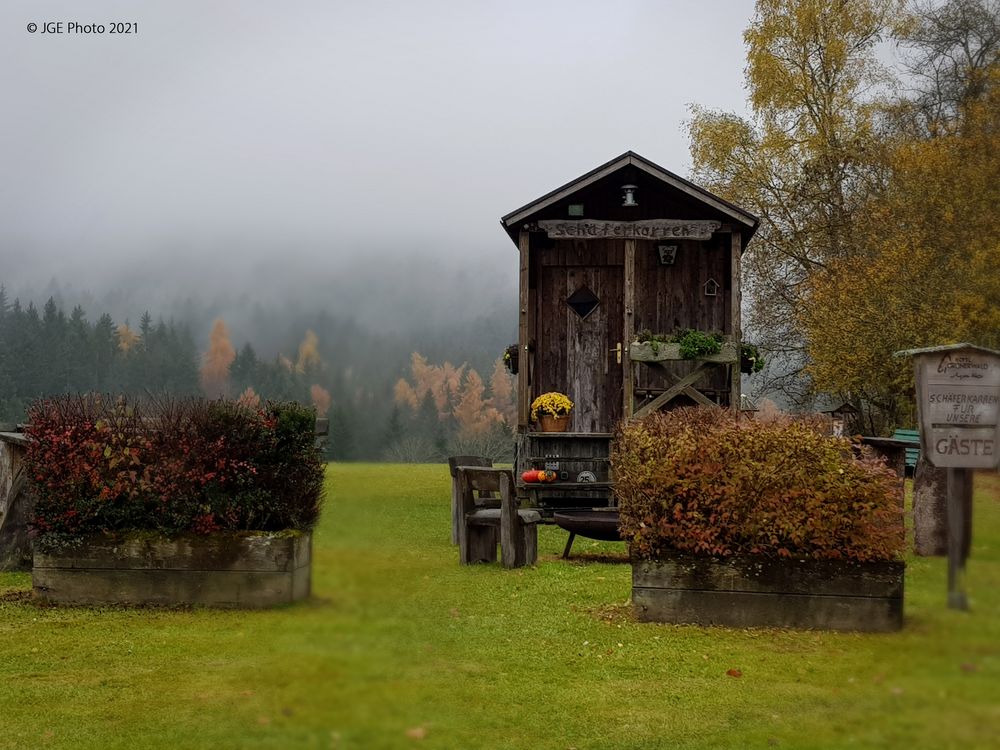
x=764, y=592
x=662, y=352
x=234, y=570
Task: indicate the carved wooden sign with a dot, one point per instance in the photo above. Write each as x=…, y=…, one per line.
x=958, y=400
x=649, y=229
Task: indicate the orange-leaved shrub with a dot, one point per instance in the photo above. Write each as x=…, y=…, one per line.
x=701, y=481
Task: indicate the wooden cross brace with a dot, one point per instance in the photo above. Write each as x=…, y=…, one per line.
x=681, y=385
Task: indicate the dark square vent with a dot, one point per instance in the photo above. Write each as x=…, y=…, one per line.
x=583, y=301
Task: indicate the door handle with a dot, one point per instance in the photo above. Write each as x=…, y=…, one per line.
x=618, y=352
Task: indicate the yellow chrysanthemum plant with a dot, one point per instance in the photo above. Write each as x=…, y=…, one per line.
x=554, y=404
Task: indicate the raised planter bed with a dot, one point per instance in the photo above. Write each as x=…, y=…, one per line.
x=752, y=591
x=234, y=570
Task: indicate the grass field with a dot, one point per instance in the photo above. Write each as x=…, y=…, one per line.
x=401, y=647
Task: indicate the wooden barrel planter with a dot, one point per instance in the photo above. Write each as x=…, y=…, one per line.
x=249, y=570
x=764, y=592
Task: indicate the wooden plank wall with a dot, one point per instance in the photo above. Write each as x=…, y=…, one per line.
x=573, y=355
x=672, y=297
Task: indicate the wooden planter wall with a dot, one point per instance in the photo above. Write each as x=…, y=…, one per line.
x=251, y=570
x=759, y=592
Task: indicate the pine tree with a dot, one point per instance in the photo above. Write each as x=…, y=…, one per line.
x=80, y=375
x=106, y=355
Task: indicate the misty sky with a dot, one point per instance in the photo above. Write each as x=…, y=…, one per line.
x=289, y=143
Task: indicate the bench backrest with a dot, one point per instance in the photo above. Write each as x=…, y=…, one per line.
x=455, y=461
x=484, y=482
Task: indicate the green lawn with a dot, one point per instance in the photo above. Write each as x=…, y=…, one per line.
x=401, y=647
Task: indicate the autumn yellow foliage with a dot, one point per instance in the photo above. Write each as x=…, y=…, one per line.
x=127, y=338
x=308, y=353
x=927, y=271
x=458, y=393
x=218, y=358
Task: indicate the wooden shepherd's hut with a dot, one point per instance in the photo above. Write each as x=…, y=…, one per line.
x=627, y=246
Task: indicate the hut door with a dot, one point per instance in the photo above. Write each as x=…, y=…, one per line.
x=580, y=323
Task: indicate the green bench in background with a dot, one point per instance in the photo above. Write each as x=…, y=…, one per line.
x=912, y=454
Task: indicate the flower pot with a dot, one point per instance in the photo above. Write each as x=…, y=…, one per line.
x=548, y=423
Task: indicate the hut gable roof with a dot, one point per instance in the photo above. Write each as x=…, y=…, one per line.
x=630, y=167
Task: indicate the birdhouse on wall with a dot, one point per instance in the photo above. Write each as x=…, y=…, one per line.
x=625, y=247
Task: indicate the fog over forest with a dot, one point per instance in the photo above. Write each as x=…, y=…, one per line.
x=270, y=303
x=327, y=167
x=352, y=158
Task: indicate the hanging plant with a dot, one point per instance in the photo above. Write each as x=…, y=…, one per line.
x=510, y=358
x=751, y=360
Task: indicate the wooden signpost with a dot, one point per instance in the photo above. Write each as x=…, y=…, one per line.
x=958, y=402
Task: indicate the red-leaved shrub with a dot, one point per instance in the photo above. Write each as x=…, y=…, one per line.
x=701, y=481
x=102, y=464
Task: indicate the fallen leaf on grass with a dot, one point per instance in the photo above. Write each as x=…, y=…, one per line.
x=263, y=720
x=734, y=673
x=416, y=733
x=969, y=667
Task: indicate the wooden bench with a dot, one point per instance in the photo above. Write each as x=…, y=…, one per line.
x=482, y=528
x=485, y=498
